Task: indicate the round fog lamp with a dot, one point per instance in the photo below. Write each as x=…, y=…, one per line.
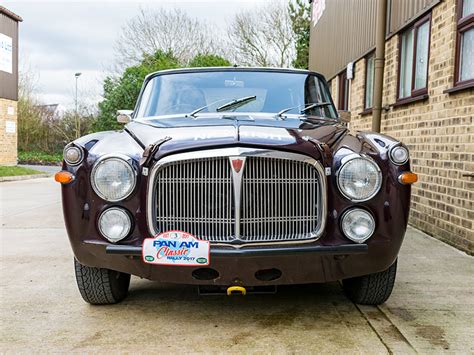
x=72, y=155
x=399, y=155
x=114, y=224
x=358, y=225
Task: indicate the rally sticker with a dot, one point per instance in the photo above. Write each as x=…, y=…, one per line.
x=176, y=248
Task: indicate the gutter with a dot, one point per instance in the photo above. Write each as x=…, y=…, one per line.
x=379, y=64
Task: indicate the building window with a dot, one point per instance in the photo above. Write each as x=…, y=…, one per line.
x=343, y=94
x=369, y=80
x=414, y=57
x=465, y=43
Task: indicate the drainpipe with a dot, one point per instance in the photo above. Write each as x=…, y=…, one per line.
x=379, y=64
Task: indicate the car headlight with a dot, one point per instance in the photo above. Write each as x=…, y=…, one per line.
x=359, y=178
x=399, y=155
x=113, y=178
x=358, y=225
x=72, y=155
x=114, y=224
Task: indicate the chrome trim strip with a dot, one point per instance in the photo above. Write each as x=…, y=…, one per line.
x=244, y=152
x=237, y=188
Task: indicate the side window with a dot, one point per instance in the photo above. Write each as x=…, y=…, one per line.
x=369, y=80
x=465, y=43
x=343, y=94
x=413, y=59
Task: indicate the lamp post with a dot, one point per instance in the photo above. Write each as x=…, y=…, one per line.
x=77, y=75
x=78, y=121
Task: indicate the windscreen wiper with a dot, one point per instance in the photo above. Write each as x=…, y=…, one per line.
x=196, y=111
x=306, y=107
x=236, y=103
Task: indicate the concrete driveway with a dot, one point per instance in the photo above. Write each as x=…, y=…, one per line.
x=431, y=308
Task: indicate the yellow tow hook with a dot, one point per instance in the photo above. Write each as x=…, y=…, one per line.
x=232, y=290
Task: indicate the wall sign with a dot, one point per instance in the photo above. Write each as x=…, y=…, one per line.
x=10, y=126
x=6, y=54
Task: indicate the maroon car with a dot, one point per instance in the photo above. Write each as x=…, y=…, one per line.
x=235, y=180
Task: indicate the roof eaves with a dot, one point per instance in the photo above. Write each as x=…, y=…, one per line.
x=12, y=15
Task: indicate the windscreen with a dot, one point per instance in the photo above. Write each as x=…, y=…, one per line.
x=235, y=91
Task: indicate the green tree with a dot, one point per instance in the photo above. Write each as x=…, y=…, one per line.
x=122, y=92
x=209, y=60
x=300, y=15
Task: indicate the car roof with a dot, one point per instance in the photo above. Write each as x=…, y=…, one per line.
x=231, y=68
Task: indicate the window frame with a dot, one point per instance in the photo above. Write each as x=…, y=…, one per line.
x=367, y=108
x=343, y=91
x=463, y=24
x=422, y=92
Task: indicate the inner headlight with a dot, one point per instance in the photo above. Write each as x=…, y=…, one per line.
x=359, y=179
x=358, y=225
x=114, y=224
x=113, y=178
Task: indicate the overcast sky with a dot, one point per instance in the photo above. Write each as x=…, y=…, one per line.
x=60, y=38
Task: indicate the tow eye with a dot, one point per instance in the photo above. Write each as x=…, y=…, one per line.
x=235, y=290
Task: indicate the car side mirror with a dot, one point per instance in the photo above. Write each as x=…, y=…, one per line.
x=124, y=116
x=345, y=116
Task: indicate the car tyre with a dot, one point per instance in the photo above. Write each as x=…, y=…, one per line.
x=101, y=286
x=372, y=289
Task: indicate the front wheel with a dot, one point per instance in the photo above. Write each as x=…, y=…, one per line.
x=101, y=286
x=372, y=289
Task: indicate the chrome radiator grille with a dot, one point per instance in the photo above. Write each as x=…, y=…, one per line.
x=196, y=197
x=278, y=199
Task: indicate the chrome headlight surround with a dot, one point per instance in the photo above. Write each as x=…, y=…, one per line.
x=360, y=214
x=398, y=154
x=127, y=163
x=346, y=161
x=73, y=155
x=125, y=223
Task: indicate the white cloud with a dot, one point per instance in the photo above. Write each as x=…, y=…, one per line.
x=59, y=38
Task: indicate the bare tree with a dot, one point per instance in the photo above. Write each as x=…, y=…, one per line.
x=263, y=37
x=167, y=30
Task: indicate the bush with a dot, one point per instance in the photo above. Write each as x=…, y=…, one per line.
x=39, y=158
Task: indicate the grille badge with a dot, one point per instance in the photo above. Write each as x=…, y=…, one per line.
x=237, y=164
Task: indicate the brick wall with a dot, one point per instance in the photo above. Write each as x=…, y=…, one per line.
x=8, y=141
x=439, y=132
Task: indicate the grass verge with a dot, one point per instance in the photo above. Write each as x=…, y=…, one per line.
x=17, y=171
x=39, y=158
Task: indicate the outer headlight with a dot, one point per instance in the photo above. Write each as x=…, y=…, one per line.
x=114, y=224
x=399, y=155
x=358, y=225
x=73, y=155
x=113, y=178
x=359, y=178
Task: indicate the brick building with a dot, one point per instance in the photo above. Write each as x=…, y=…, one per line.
x=8, y=86
x=427, y=97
